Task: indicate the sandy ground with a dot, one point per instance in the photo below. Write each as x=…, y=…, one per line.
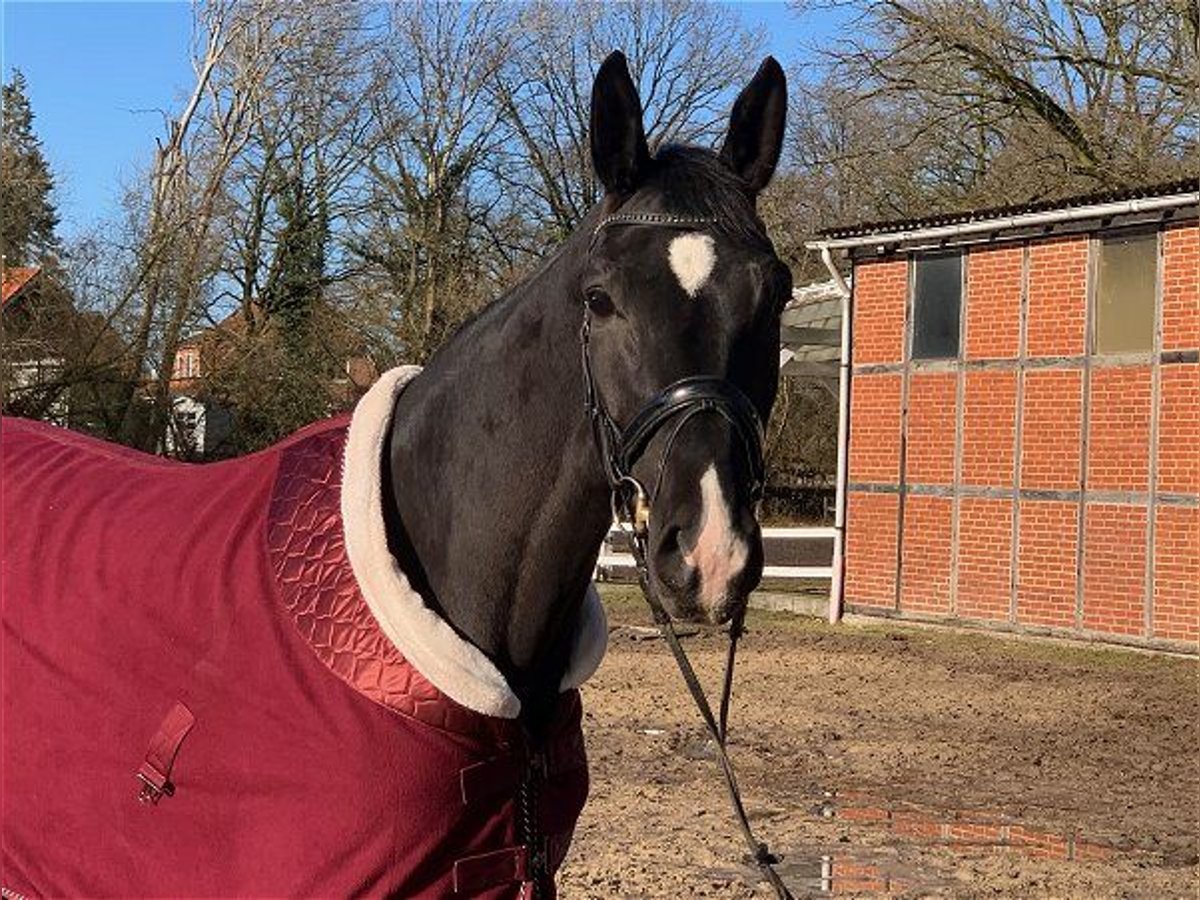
x=889, y=760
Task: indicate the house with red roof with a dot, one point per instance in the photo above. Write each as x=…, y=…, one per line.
x=15, y=281
x=59, y=364
x=33, y=361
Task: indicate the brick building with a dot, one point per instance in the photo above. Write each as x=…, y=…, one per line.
x=1024, y=418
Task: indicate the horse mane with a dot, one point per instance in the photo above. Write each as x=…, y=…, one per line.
x=696, y=182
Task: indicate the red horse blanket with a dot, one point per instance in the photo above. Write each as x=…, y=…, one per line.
x=234, y=642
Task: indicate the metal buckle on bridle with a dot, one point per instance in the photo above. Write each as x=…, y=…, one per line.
x=629, y=499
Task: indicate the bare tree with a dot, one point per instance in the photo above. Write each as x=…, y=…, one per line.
x=312, y=133
x=686, y=56
x=278, y=356
x=424, y=228
x=185, y=185
x=262, y=66
x=983, y=101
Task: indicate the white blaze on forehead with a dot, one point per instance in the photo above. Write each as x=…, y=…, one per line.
x=692, y=259
x=719, y=553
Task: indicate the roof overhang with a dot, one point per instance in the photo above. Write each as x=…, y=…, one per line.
x=1183, y=205
x=15, y=281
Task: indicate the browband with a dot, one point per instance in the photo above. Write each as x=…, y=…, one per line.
x=649, y=218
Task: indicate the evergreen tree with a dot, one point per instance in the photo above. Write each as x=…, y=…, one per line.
x=297, y=275
x=27, y=214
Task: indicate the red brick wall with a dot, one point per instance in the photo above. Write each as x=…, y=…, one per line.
x=871, y=549
x=1119, y=429
x=1177, y=573
x=1046, y=563
x=1179, y=428
x=1176, y=590
x=1181, y=287
x=994, y=302
x=1042, y=411
x=925, y=573
x=1057, y=297
x=984, y=558
x=875, y=428
x=1050, y=429
x=929, y=457
x=1114, y=568
x=880, y=289
x=989, y=428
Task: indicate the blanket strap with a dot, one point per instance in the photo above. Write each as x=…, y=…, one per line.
x=155, y=771
x=475, y=874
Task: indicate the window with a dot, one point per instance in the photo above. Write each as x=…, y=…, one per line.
x=1125, y=288
x=937, y=306
x=187, y=363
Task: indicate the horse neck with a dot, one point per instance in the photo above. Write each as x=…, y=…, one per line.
x=499, y=504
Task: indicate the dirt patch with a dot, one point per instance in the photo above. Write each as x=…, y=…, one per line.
x=893, y=760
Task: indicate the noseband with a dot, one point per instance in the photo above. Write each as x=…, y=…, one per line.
x=620, y=448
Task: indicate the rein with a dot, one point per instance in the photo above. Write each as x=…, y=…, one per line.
x=619, y=449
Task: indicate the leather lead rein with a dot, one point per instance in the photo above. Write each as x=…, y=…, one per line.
x=619, y=449
x=717, y=728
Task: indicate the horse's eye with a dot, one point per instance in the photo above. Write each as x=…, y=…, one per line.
x=598, y=302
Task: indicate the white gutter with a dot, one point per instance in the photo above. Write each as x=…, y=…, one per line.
x=1021, y=220
x=837, y=578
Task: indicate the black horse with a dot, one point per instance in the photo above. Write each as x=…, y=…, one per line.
x=170, y=631
x=500, y=499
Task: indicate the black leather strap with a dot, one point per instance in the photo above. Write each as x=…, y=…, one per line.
x=619, y=449
x=760, y=853
x=696, y=393
x=662, y=220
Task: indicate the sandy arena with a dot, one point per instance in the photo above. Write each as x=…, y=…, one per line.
x=892, y=760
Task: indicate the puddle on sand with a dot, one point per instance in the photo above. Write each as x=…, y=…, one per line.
x=845, y=873
x=811, y=873
x=828, y=868
x=963, y=830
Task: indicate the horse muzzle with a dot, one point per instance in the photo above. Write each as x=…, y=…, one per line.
x=707, y=575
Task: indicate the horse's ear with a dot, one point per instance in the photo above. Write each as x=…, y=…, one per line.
x=619, y=151
x=755, y=136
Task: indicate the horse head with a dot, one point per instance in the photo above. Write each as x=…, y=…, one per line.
x=682, y=292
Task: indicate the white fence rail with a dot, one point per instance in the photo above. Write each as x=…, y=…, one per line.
x=612, y=560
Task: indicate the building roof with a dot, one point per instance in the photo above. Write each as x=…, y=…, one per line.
x=863, y=229
x=810, y=331
x=15, y=281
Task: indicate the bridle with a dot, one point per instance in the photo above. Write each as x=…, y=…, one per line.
x=621, y=448
x=682, y=400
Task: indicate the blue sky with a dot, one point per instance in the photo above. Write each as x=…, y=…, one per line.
x=100, y=72
x=98, y=75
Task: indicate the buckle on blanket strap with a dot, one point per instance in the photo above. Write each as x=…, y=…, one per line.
x=154, y=785
x=155, y=771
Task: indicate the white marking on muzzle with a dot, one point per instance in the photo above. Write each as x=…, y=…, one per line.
x=719, y=552
x=693, y=257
